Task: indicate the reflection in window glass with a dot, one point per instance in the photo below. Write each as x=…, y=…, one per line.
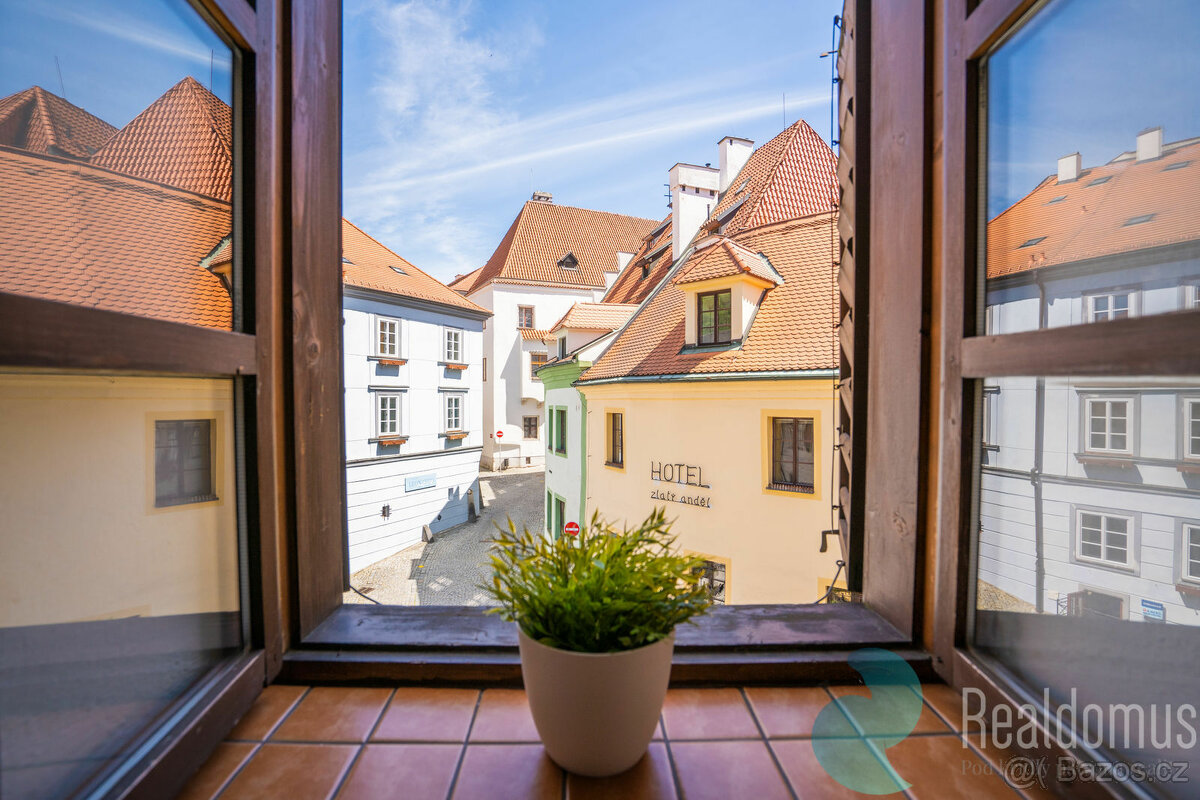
x=119, y=564
x=116, y=167
x=1093, y=171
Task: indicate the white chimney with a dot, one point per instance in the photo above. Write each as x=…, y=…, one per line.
x=623, y=260
x=735, y=153
x=542, y=197
x=1069, y=168
x=1149, y=144
x=693, y=197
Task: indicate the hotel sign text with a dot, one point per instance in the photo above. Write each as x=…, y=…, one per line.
x=684, y=475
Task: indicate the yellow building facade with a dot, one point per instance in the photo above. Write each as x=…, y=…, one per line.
x=703, y=451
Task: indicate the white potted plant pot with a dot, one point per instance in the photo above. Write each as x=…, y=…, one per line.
x=596, y=712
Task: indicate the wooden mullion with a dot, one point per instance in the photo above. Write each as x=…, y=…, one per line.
x=236, y=17
x=46, y=334
x=988, y=22
x=1163, y=344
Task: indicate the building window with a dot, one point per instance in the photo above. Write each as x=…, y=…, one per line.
x=485, y=368
x=454, y=412
x=616, y=439
x=712, y=576
x=560, y=516
x=183, y=462
x=387, y=418
x=524, y=316
x=991, y=395
x=1108, y=426
x=1090, y=603
x=530, y=424
x=562, y=346
x=387, y=337
x=536, y=362
x=1110, y=305
x=792, y=454
x=550, y=513
x=560, y=431
x=1191, y=295
x=1104, y=538
x=453, y=348
x=1191, y=428
x=715, y=317
x=1191, y=553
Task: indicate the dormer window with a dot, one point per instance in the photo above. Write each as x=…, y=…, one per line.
x=714, y=317
x=569, y=261
x=562, y=346
x=645, y=271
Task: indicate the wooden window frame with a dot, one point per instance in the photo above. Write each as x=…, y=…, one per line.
x=794, y=486
x=716, y=327
x=521, y=318
x=535, y=366
x=615, y=435
x=525, y=427
x=180, y=498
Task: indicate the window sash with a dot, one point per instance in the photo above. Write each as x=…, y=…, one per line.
x=1111, y=305
x=453, y=345
x=791, y=441
x=525, y=317
x=454, y=412
x=1191, y=424
x=1108, y=428
x=387, y=337
x=616, y=423
x=387, y=416
x=1190, y=557
x=714, y=317
x=183, y=462
x=560, y=431
x=530, y=424
x=537, y=360
x=1104, y=538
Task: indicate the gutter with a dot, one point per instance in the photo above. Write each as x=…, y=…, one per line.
x=699, y=377
x=420, y=304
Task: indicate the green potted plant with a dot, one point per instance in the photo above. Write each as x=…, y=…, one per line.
x=596, y=614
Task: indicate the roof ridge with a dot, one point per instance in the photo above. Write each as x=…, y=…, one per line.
x=203, y=98
x=588, y=210
x=769, y=184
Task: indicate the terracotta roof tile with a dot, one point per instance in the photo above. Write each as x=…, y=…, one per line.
x=723, y=258
x=42, y=122
x=183, y=139
x=373, y=266
x=79, y=234
x=543, y=233
x=793, y=329
x=1093, y=216
x=595, y=316
x=534, y=334
x=645, y=270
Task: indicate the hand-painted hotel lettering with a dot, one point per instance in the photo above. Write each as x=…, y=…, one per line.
x=685, y=474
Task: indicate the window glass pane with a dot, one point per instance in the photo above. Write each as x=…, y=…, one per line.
x=116, y=171
x=1092, y=170
x=119, y=562
x=1079, y=555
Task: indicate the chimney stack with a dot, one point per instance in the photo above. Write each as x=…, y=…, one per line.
x=542, y=197
x=693, y=197
x=735, y=153
x=1069, y=168
x=1149, y=144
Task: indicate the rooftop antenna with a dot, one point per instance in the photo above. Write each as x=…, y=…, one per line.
x=785, y=109
x=61, y=86
x=211, y=58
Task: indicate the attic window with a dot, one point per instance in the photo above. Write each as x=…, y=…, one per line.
x=569, y=261
x=645, y=271
x=399, y=271
x=1058, y=199
x=1099, y=181
x=741, y=188
x=1032, y=242
x=346, y=260
x=1176, y=165
x=1138, y=220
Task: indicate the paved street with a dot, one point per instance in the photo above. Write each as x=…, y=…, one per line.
x=447, y=570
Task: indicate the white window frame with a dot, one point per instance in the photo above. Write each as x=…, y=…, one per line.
x=459, y=355
x=991, y=394
x=1131, y=412
x=1089, y=304
x=532, y=353
x=380, y=399
x=376, y=331
x=461, y=400
x=1189, y=411
x=532, y=318
x=1131, y=539
x=562, y=346
x=1191, y=295
x=1188, y=529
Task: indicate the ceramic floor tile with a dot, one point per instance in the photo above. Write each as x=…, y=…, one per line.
x=649, y=779
x=943, y=766
x=707, y=714
x=271, y=706
x=809, y=779
x=724, y=770
x=428, y=715
x=1032, y=776
x=508, y=772
x=886, y=708
x=788, y=711
x=948, y=703
x=292, y=771
x=217, y=771
x=333, y=714
x=503, y=716
x=414, y=771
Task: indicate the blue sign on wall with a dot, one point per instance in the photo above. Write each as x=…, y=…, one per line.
x=1154, y=611
x=414, y=482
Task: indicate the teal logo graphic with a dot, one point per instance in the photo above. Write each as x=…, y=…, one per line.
x=852, y=734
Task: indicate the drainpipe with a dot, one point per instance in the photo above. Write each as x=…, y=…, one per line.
x=1035, y=474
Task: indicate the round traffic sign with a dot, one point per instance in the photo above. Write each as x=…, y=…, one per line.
x=499, y=434
x=572, y=529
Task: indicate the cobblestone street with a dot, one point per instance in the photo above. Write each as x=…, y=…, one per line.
x=447, y=570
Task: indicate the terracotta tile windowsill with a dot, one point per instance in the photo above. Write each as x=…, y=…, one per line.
x=336, y=742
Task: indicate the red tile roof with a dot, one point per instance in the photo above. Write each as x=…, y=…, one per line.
x=1093, y=217
x=83, y=235
x=42, y=122
x=722, y=259
x=534, y=334
x=793, y=329
x=543, y=233
x=655, y=258
x=372, y=266
x=595, y=316
x=791, y=176
x=184, y=139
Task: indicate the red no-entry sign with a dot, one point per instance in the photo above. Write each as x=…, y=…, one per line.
x=572, y=529
x=499, y=434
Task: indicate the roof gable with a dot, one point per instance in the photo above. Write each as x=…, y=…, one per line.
x=649, y=265
x=42, y=122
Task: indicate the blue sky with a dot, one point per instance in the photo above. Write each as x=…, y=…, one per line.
x=454, y=111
